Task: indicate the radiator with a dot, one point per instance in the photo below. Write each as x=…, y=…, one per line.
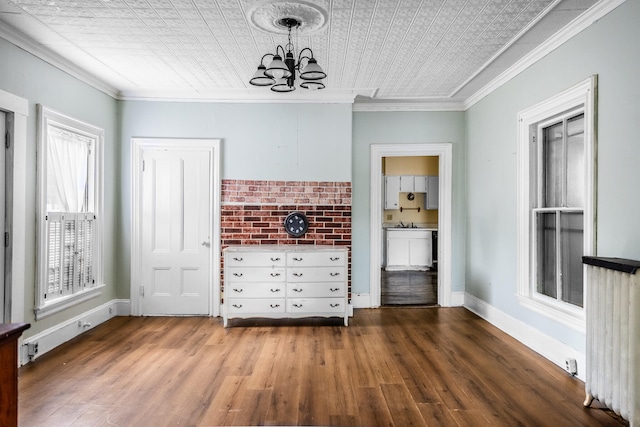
x=612, y=373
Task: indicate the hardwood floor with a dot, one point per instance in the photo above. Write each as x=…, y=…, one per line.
x=390, y=367
x=408, y=287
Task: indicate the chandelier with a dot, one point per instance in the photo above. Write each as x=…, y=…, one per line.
x=281, y=75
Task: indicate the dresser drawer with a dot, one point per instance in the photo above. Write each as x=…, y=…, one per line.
x=255, y=290
x=260, y=274
x=248, y=305
x=316, y=274
x=315, y=305
x=320, y=259
x=254, y=259
x=315, y=290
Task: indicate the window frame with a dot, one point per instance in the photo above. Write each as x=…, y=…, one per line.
x=582, y=96
x=48, y=117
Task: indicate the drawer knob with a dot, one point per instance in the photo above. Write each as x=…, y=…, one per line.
x=335, y=305
x=237, y=274
x=297, y=274
x=334, y=289
x=297, y=305
x=275, y=259
x=275, y=274
x=275, y=290
x=334, y=258
x=297, y=290
x=237, y=290
x=334, y=274
x=237, y=305
x=235, y=258
x=275, y=305
x=295, y=258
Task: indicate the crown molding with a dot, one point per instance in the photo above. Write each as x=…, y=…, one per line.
x=592, y=15
x=47, y=55
x=403, y=105
x=250, y=95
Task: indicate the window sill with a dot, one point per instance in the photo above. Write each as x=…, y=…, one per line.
x=574, y=319
x=64, y=303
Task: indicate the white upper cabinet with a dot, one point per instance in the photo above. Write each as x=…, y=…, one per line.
x=433, y=193
x=391, y=192
x=420, y=183
x=406, y=183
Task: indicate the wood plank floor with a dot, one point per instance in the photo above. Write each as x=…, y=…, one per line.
x=390, y=367
x=408, y=287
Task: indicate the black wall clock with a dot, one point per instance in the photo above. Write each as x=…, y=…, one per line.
x=296, y=224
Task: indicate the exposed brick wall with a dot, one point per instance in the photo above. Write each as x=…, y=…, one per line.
x=253, y=212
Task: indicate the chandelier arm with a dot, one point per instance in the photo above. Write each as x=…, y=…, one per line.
x=301, y=56
x=279, y=47
x=264, y=56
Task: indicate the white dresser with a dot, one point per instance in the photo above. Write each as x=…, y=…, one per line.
x=285, y=281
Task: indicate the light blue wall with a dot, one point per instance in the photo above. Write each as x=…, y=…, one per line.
x=404, y=128
x=28, y=77
x=286, y=142
x=609, y=49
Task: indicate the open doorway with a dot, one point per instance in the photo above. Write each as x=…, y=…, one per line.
x=409, y=262
x=443, y=153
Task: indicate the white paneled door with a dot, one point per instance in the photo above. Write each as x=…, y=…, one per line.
x=176, y=232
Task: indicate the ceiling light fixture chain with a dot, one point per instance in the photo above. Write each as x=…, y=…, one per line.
x=280, y=75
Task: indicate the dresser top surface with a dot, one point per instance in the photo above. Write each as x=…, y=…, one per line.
x=283, y=248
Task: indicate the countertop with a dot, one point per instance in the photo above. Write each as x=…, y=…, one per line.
x=394, y=226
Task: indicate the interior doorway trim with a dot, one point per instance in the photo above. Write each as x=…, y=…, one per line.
x=138, y=145
x=17, y=110
x=445, y=161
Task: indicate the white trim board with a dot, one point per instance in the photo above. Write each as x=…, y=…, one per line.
x=50, y=338
x=444, y=152
x=17, y=110
x=548, y=347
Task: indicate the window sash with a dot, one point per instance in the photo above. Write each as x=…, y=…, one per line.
x=559, y=242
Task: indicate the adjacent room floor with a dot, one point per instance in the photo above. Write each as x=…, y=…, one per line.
x=408, y=287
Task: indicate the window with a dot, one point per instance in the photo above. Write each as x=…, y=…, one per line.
x=70, y=212
x=556, y=164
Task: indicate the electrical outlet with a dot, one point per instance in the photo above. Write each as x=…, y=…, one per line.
x=32, y=349
x=571, y=366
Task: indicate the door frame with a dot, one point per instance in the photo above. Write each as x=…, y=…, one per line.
x=445, y=161
x=16, y=262
x=138, y=145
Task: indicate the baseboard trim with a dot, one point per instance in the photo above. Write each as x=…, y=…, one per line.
x=548, y=347
x=457, y=299
x=360, y=300
x=65, y=331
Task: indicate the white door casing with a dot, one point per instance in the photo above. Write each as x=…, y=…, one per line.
x=175, y=254
x=3, y=288
x=444, y=151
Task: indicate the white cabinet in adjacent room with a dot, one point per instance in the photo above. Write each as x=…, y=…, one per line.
x=408, y=249
x=433, y=193
x=406, y=183
x=420, y=184
x=392, y=192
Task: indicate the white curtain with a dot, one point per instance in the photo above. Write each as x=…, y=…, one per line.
x=67, y=171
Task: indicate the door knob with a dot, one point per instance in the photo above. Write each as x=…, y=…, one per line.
x=207, y=244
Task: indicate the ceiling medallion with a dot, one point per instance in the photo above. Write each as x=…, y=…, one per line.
x=267, y=15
